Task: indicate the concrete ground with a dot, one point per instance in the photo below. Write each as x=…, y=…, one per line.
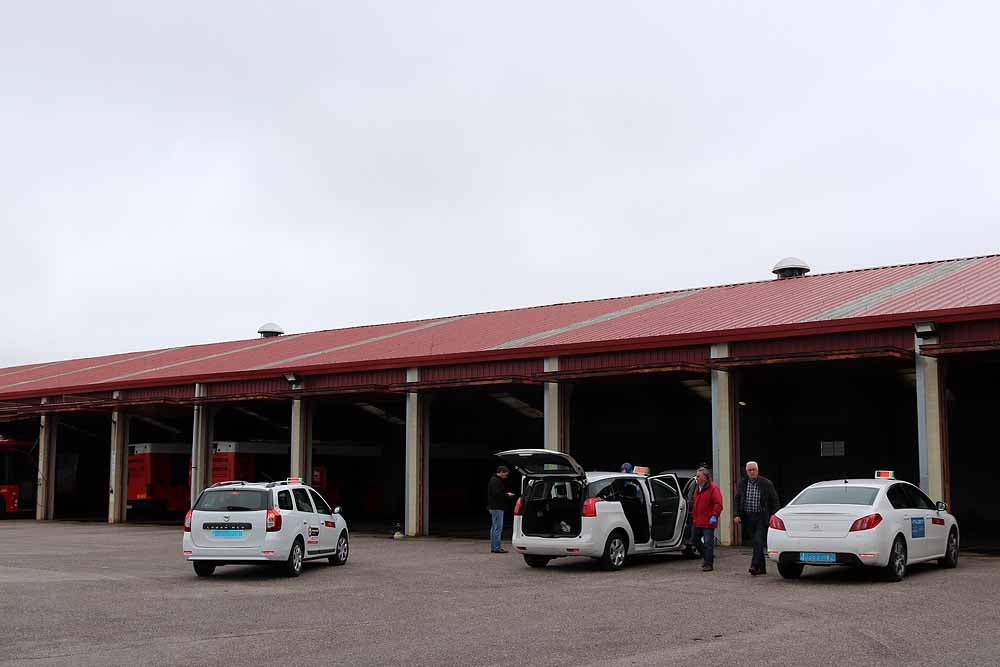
x=91, y=594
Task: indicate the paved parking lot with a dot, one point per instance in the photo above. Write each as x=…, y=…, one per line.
x=91, y=594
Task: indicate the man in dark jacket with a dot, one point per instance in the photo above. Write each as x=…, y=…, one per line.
x=705, y=516
x=756, y=501
x=496, y=501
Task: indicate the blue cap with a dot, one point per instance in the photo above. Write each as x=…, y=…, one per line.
x=626, y=467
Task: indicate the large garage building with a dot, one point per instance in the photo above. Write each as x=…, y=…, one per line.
x=814, y=376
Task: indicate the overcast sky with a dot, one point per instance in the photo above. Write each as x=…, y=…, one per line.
x=173, y=173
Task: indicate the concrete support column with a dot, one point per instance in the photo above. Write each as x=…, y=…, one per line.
x=556, y=406
x=930, y=424
x=118, y=479
x=302, y=441
x=202, y=435
x=48, y=428
x=417, y=503
x=723, y=442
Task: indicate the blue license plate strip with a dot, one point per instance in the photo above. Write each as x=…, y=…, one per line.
x=817, y=557
x=227, y=533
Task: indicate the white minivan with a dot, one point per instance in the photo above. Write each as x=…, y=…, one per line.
x=283, y=523
x=564, y=511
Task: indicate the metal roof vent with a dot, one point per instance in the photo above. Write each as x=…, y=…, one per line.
x=790, y=267
x=270, y=330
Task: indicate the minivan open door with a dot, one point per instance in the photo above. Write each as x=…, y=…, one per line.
x=669, y=510
x=537, y=462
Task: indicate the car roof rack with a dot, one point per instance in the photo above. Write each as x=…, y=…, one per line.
x=232, y=482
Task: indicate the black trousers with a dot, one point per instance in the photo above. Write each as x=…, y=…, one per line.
x=757, y=526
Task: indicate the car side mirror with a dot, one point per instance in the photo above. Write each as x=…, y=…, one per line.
x=942, y=506
x=338, y=510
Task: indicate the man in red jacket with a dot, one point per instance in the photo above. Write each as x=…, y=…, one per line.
x=705, y=516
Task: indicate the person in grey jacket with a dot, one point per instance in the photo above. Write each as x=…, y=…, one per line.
x=756, y=501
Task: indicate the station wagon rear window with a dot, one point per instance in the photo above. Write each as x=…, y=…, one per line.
x=232, y=500
x=837, y=495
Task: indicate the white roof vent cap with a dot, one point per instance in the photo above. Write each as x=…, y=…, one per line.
x=790, y=267
x=270, y=330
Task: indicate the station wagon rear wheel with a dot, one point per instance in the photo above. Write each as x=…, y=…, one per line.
x=343, y=551
x=293, y=566
x=615, y=552
x=204, y=568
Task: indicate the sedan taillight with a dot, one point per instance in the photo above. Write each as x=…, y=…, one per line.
x=517, y=507
x=866, y=522
x=776, y=522
x=187, y=521
x=590, y=506
x=273, y=521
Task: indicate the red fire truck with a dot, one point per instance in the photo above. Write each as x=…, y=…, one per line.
x=15, y=460
x=158, y=474
x=249, y=461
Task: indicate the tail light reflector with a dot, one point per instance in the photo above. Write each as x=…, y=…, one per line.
x=273, y=521
x=517, y=507
x=590, y=506
x=776, y=522
x=866, y=522
x=187, y=522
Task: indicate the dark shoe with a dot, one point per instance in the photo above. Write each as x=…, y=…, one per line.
x=754, y=571
x=499, y=551
x=707, y=567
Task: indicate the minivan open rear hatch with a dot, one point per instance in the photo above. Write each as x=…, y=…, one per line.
x=553, y=491
x=538, y=462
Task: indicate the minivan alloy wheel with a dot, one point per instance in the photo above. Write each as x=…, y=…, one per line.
x=617, y=551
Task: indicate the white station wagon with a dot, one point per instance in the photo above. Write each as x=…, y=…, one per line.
x=564, y=511
x=283, y=523
x=882, y=522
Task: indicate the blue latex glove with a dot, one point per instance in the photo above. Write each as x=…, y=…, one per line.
x=714, y=520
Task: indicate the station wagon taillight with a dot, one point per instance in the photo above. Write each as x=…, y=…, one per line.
x=187, y=522
x=776, y=522
x=273, y=521
x=866, y=522
x=590, y=506
x=517, y=507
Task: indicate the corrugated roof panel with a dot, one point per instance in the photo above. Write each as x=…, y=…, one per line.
x=474, y=333
x=925, y=287
x=975, y=285
x=105, y=369
x=741, y=306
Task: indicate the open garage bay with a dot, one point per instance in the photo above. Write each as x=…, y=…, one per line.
x=91, y=594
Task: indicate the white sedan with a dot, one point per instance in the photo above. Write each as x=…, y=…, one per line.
x=882, y=522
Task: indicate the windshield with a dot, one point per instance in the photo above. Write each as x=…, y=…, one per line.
x=837, y=495
x=227, y=500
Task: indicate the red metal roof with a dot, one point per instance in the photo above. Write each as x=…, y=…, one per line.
x=852, y=300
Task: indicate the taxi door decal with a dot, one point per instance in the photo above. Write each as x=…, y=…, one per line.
x=313, y=535
x=917, y=527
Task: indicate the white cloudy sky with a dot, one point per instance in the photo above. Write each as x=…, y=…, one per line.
x=181, y=172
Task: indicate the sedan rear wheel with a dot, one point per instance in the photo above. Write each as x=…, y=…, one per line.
x=790, y=570
x=951, y=551
x=896, y=569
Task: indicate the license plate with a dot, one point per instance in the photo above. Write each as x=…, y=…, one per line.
x=817, y=557
x=227, y=533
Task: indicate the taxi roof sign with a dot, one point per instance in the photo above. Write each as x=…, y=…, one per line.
x=641, y=470
x=885, y=474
